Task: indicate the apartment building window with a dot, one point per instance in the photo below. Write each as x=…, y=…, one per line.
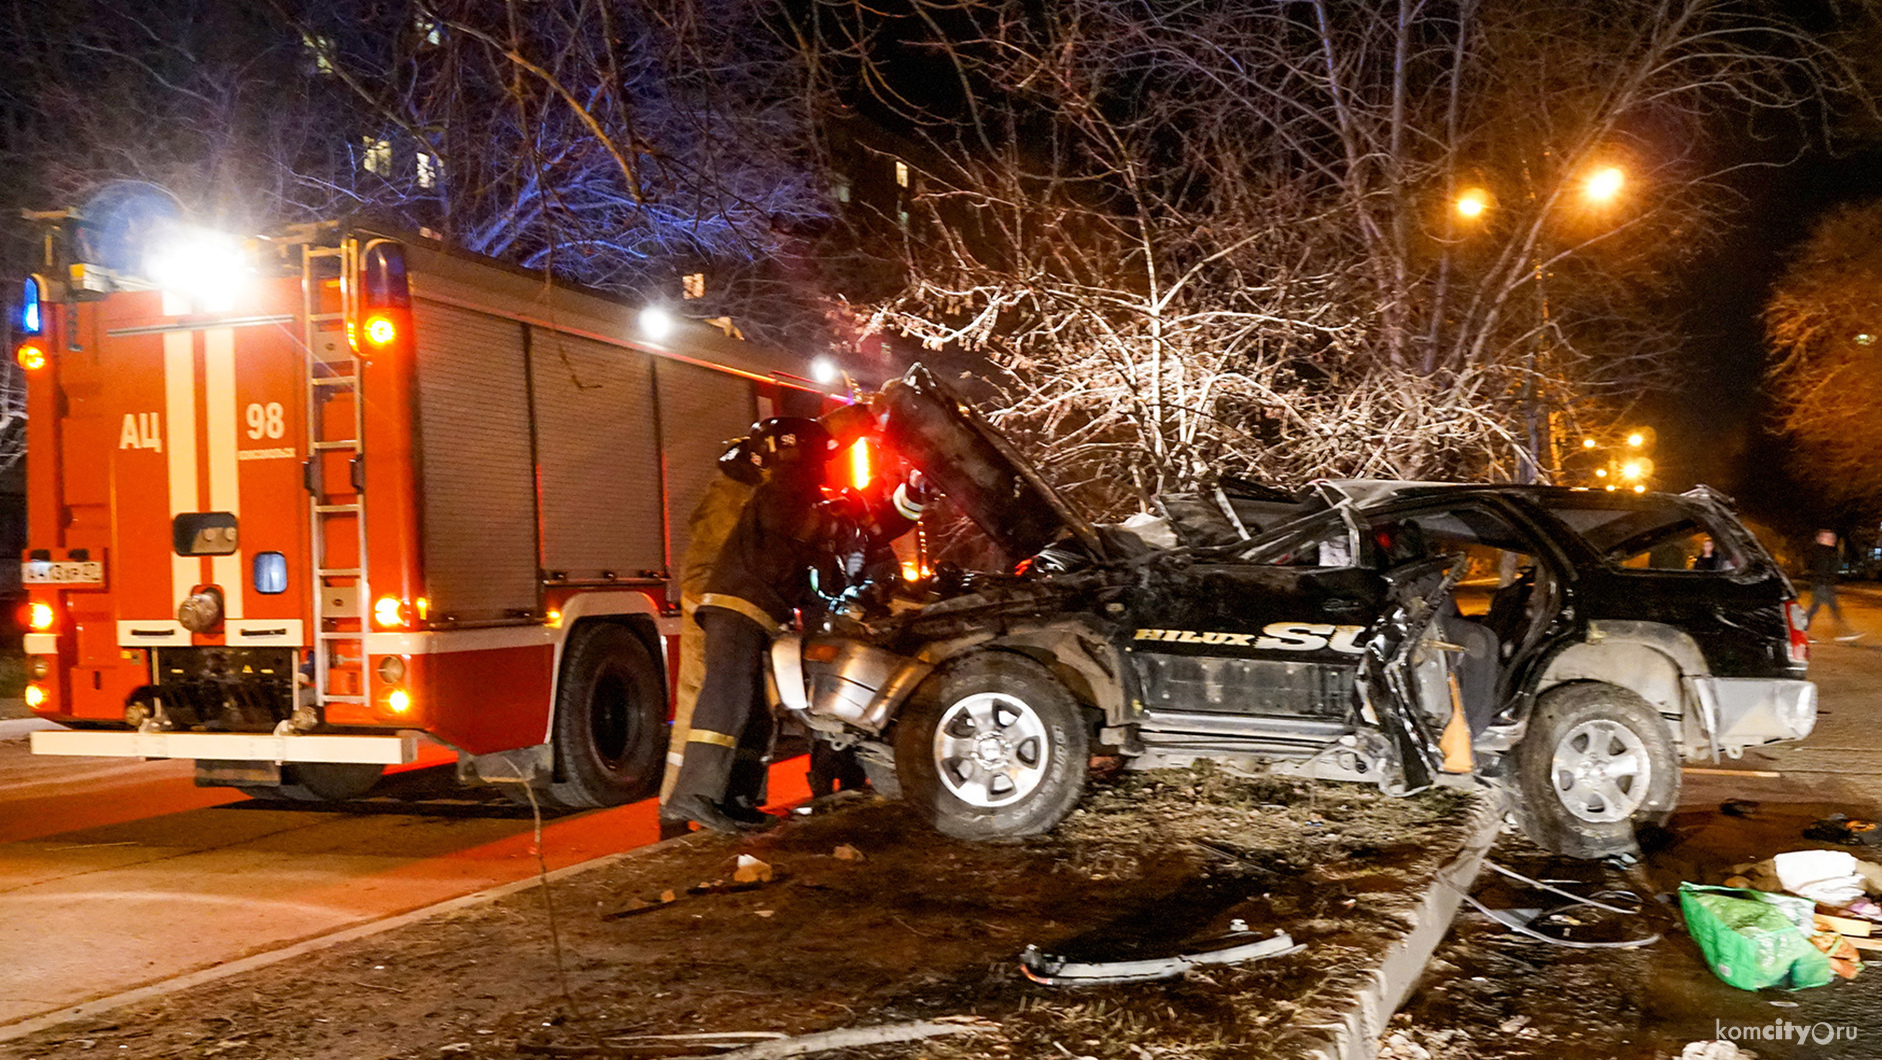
x=377, y=157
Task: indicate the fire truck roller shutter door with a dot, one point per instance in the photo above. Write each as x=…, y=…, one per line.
x=599, y=455
x=699, y=410
x=479, y=508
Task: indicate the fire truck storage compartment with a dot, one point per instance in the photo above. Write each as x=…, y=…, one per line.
x=597, y=442
x=701, y=410
x=479, y=513
x=531, y=384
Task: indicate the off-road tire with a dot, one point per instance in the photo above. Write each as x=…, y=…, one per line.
x=1561, y=711
x=610, y=726
x=1061, y=757
x=318, y=782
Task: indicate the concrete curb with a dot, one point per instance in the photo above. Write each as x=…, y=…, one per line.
x=1356, y=1035
x=165, y=987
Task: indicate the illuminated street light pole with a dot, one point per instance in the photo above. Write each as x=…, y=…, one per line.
x=1599, y=188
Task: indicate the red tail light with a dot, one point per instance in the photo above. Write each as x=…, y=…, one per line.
x=1800, y=641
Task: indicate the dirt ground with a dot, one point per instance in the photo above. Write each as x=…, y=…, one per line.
x=914, y=925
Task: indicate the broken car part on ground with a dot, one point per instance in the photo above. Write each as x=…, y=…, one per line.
x=1552, y=643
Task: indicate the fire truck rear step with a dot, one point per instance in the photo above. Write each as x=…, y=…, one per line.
x=393, y=749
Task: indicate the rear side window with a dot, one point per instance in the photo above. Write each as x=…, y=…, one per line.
x=1653, y=535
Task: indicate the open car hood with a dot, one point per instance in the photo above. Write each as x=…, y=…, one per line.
x=980, y=471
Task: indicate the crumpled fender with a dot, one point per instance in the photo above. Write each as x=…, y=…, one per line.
x=1077, y=649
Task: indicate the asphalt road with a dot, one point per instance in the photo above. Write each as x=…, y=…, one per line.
x=115, y=874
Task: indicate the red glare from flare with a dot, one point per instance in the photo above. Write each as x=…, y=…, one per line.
x=861, y=464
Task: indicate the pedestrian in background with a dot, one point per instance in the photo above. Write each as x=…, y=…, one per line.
x=1826, y=564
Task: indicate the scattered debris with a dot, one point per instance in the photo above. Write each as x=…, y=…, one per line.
x=1047, y=970
x=1715, y=1050
x=847, y=853
x=1740, y=807
x=856, y=1037
x=1828, y=877
x=1754, y=939
x=1397, y=1046
x=1839, y=828
x=751, y=870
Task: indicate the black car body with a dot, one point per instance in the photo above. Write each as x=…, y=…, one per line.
x=1568, y=647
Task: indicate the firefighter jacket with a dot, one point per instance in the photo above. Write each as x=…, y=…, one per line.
x=763, y=572
x=711, y=523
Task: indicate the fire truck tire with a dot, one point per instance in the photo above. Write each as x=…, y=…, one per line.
x=319, y=782
x=993, y=747
x=610, y=720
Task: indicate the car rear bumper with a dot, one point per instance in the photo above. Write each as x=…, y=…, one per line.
x=390, y=749
x=1744, y=712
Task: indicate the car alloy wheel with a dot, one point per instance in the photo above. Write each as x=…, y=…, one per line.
x=1601, y=771
x=991, y=749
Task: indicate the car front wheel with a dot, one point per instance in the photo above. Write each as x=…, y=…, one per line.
x=1596, y=762
x=994, y=747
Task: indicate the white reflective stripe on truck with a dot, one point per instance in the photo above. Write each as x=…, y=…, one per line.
x=391, y=749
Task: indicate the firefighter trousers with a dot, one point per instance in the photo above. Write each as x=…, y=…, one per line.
x=685, y=692
x=731, y=727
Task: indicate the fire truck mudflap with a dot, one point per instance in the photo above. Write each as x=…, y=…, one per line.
x=286, y=517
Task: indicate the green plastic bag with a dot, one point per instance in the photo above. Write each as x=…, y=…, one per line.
x=1752, y=939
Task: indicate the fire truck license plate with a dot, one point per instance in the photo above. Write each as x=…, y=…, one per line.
x=63, y=572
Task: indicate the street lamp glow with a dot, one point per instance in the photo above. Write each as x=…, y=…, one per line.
x=1604, y=184
x=1632, y=470
x=1636, y=440
x=1601, y=472
x=656, y=323
x=824, y=370
x=1640, y=489
x=1472, y=203
x=1587, y=443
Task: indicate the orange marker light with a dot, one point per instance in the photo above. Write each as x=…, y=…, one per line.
x=388, y=612
x=34, y=695
x=398, y=701
x=40, y=616
x=31, y=357
x=380, y=331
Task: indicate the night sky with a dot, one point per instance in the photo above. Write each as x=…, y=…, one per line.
x=1714, y=427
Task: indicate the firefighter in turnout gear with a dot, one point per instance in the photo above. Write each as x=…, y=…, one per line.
x=711, y=523
x=755, y=585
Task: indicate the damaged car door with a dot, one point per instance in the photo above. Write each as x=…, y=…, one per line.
x=1253, y=657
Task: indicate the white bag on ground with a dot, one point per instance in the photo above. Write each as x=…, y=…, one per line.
x=1828, y=877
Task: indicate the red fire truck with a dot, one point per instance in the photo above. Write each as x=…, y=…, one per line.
x=295, y=500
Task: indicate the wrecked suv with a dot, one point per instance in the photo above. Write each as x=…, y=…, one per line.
x=1568, y=648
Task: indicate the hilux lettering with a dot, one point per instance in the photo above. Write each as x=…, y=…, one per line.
x=1276, y=636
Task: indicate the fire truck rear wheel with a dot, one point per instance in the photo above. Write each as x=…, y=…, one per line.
x=610, y=720
x=319, y=782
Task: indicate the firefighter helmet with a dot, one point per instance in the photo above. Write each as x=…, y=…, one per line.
x=787, y=439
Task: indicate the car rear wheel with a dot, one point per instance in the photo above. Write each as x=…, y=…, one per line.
x=991, y=748
x=610, y=721
x=1595, y=763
